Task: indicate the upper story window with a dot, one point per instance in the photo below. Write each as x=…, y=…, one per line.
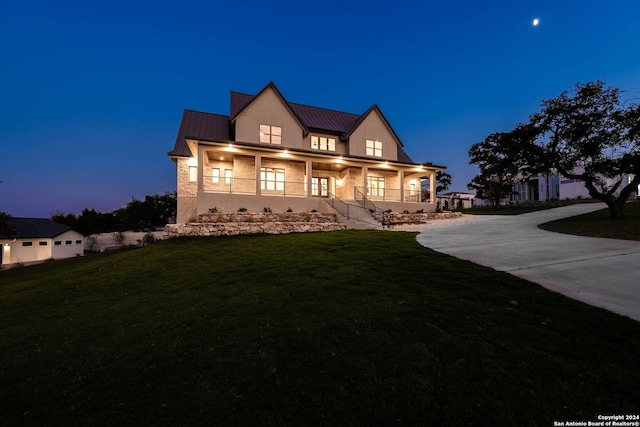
x=323, y=143
x=270, y=134
x=374, y=148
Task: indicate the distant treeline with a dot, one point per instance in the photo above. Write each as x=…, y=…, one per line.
x=139, y=215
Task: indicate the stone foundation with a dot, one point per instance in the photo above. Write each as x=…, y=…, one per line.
x=418, y=218
x=309, y=217
x=219, y=224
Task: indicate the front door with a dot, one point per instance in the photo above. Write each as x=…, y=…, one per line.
x=320, y=187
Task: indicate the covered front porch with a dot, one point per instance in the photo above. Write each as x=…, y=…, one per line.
x=232, y=169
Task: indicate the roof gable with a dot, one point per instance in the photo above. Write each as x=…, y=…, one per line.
x=279, y=95
x=361, y=119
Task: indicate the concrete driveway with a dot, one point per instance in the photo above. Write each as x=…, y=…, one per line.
x=600, y=272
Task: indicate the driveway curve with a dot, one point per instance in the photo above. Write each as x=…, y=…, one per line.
x=601, y=272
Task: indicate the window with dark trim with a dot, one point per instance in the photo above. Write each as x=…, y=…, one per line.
x=27, y=243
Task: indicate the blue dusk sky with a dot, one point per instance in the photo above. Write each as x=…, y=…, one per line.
x=92, y=92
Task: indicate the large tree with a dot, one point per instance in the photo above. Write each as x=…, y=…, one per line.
x=5, y=229
x=500, y=159
x=443, y=181
x=588, y=134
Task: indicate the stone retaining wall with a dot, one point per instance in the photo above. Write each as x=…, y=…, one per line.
x=223, y=224
x=219, y=224
x=313, y=217
x=419, y=218
x=235, y=228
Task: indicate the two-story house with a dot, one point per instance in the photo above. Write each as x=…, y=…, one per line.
x=269, y=152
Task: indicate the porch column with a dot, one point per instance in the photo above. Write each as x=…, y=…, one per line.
x=309, y=178
x=258, y=160
x=432, y=187
x=401, y=177
x=365, y=173
x=200, y=169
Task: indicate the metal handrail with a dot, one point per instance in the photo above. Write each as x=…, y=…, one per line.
x=351, y=211
x=378, y=214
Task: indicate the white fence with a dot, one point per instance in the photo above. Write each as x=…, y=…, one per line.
x=109, y=241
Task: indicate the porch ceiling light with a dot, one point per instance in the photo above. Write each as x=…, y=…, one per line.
x=339, y=160
x=285, y=153
x=230, y=148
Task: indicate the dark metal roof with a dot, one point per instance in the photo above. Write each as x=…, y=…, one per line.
x=237, y=102
x=324, y=119
x=199, y=125
x=403, y=157
x=216, y=127
x=26, y=228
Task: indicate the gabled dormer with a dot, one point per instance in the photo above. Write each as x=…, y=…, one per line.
x=372, y=136
x=267, y=119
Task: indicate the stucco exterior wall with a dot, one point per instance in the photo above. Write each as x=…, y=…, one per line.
x=341, y=147
x=41, y=249
x=268, y=109
x=373, y=128
x=66, y=250
x=229, y=203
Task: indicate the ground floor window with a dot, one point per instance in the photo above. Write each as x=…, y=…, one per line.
x=375, y=186
x=320, y=187
x=272, y=179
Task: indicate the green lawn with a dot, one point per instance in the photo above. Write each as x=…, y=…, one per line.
x=522, y=208
x=346, y=328
x=598, y=224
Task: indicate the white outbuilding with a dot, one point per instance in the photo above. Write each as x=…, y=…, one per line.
x=38, y=239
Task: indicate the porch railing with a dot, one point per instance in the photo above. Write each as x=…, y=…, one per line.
x=216, y=184
x=390, y=194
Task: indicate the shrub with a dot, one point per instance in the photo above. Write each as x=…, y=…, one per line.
x=148, y=238
x=289, y=210
x=91, y=242
x=242, y=209
x=267, y=210
x=213, y=210
x=118, y=237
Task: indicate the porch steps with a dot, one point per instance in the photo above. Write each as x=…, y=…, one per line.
x=354, y=215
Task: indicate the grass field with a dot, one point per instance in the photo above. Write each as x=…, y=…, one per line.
x=598, y=224
x=346, y=328
x=522, y=208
